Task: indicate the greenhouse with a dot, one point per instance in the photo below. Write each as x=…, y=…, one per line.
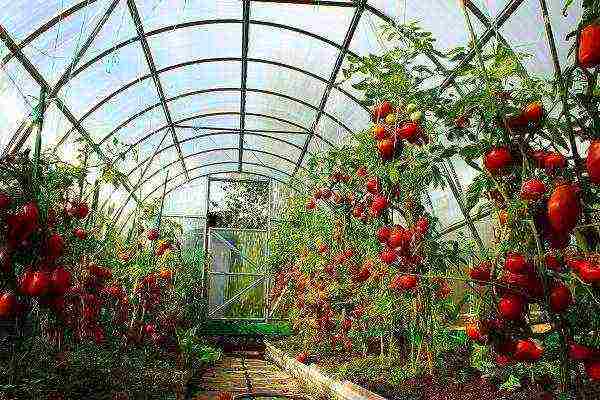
x=299, y=199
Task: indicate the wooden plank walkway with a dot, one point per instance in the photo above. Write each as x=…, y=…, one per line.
x=237, y=374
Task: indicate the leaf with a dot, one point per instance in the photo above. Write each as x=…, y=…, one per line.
x=475, y=190
x=470, y=152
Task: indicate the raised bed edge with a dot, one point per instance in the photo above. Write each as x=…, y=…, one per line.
x=315, y=381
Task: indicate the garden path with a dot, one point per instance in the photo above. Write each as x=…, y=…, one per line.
x=239, y=374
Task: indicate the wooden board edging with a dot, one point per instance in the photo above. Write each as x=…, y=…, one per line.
x=315, y=381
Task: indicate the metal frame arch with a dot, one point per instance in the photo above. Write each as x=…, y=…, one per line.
x=199, y=116
x=197, y=92
x=139, y=165
x=128, y=85
x=114, y=220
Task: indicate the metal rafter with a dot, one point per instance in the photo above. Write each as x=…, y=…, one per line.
x=197, y=92
x=336, y=69
x=218, y=128
x=150, y=60
x=123, y=88
x=502, y=17
x=48, y=25
x=81, y=52
x=245, y=40
x=35, y=74
x=120, y=211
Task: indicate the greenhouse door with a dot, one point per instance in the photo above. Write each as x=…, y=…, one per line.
x=237, y=280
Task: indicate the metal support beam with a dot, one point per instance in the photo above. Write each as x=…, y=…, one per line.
x=245, y=39
x=150, y=60
x=508, y=10
x=81, y=52
x=336, y=69
x=35, y=74
x=294, y=188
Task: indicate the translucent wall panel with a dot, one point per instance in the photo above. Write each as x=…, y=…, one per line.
x=151, y=122
x=261, y=170
x=285, y=81
x=217, y=156
x=332, y=131
x=272, y=146
x=120, y=108
x=203, y=124
x=146, y=149
x=20, y=23
x=100, y=80
x=210, y=140
x=445, y=207
x=533, y=39
x=285, y=46
x=257, y=122
x=118, y=28
x=316, y=146
x=329, y=22
x=290, y=110
x=14, y=105
x=443, y=18
x=269, y=160
x=56, y=125
x=196, y=43
x=54, y=50
x=204, y=103
x=201, y=76
x=17, y=82
x=297, y=139
x=366, y=38
x=179, y=201
x=158, y=14
x=344, y=109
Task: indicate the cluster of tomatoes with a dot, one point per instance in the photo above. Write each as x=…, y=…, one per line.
x=393, y=126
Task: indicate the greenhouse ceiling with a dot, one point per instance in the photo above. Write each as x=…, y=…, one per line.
x=205, y=87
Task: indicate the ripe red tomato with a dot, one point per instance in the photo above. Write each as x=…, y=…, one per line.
x=405, y=282
x=538, y=156
x=8, y=304
x=60, y=280
x=510, y=307
x=386, y=149
x=563, y=209
x=31, y=213
x=592, y=369
x=422, y=226
x=481, y=272
x=593, y=162
x=5, y=201
x=39, y=284
x=408, y=131
x=534, y=112
x=553, y=161
x=515, y=263
x=476, y=332
x=589, y=46
x=528, y=350
x=302, y=357
x=373, y=186
x=560, y=298
x=383, y=234
x=532, y=190
x=580, y=352
x=55, y=246
x=153, y=234
x=379, y=132
x=388, y=256
x=80, y=233
x=382, y=110
x=326, y=193
x=497, y=159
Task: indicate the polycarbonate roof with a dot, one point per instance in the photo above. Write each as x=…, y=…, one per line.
x=202, y=87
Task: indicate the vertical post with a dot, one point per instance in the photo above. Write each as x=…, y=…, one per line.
x=38, y=124
x=267, y=280
x=159, y=218
x=206, y=240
